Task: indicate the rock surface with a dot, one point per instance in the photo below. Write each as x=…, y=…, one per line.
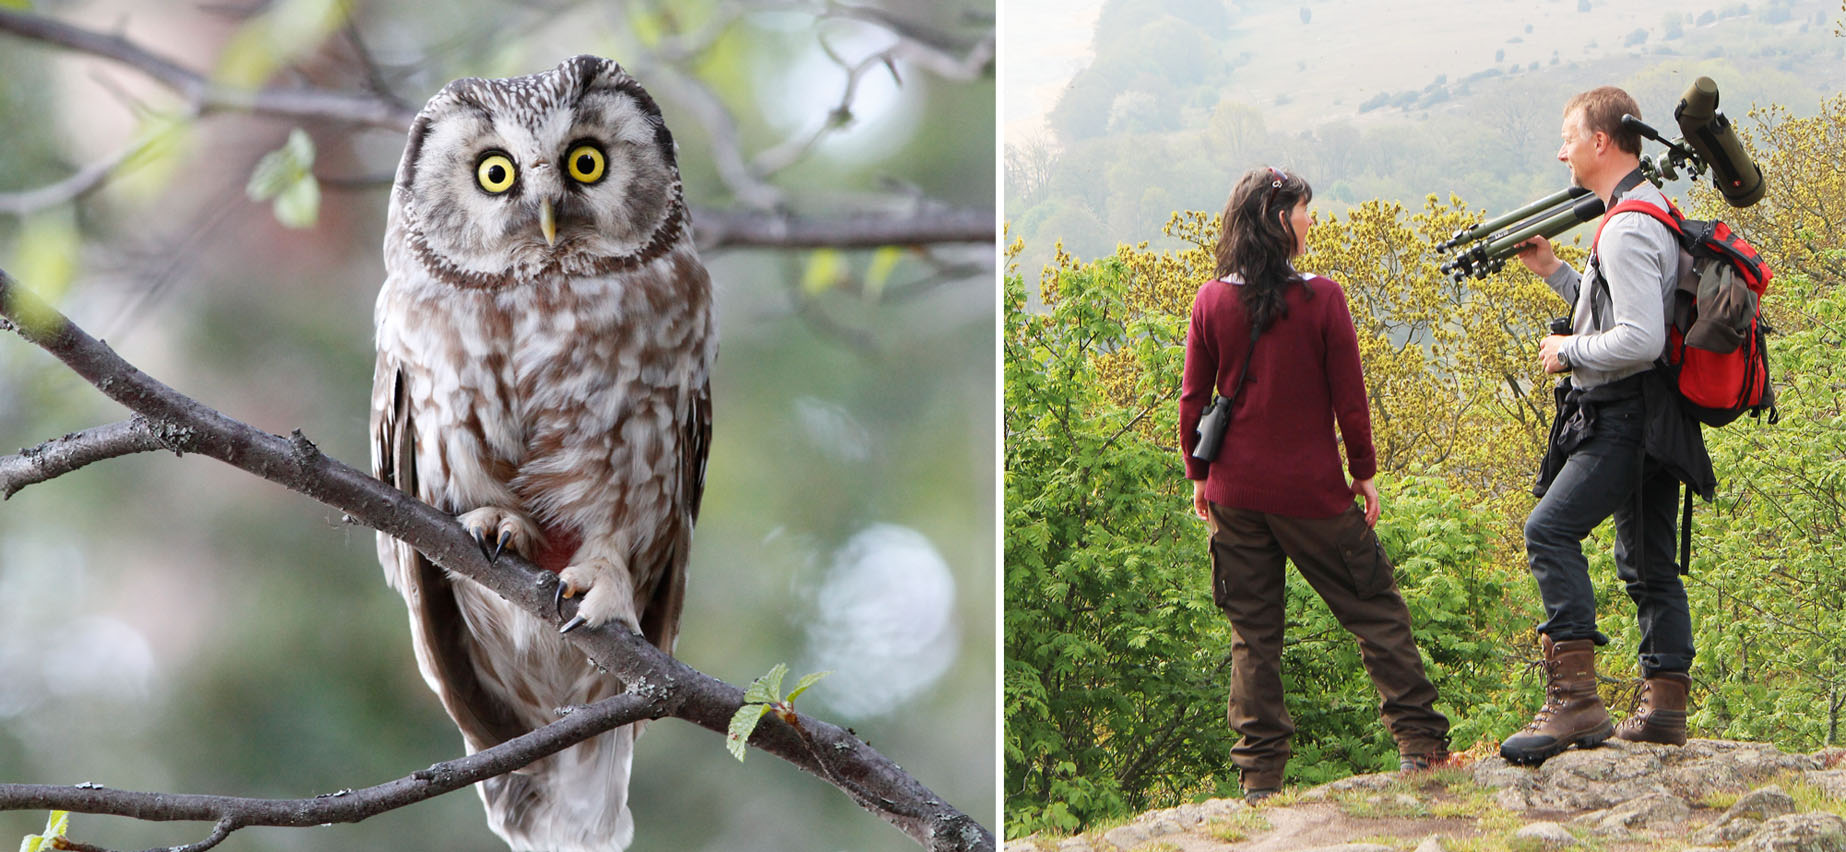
x=1548, y=835
x=1706, y=796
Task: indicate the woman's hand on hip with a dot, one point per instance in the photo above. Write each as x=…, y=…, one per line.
x=1365, y=488
x=1199, y=506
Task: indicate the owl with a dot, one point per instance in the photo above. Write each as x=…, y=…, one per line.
x=545, y=342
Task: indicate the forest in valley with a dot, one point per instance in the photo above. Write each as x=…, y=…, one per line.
x=1175, y=98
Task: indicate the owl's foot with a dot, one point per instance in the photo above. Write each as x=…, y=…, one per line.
x=604, y=587
x=503, y=528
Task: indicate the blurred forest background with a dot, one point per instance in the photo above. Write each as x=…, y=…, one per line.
x=172, y=624
x=1165, y=102
x=1115, y=657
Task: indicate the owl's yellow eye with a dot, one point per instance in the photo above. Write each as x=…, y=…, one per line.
x=495, y=173
x=586, y=163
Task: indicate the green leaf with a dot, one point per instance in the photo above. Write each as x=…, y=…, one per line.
x=803, y=684
x=162, y=142
x=884, y=261
x=287, y=175
x=45, y=259
x=282, y=168
x=647, y=29
x=299, y=205
x=56, y=825
x=768, y=688
x=823, y=271
x=743, y=722
x=285, y=32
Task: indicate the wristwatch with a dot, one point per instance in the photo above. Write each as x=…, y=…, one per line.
x=1563, y=361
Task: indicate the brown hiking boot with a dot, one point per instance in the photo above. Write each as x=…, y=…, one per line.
x=1572, y=714
x=1661, y=718
x=1427, y=761
x=1258, y=786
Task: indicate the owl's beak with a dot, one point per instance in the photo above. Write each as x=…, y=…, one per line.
x=547, y=222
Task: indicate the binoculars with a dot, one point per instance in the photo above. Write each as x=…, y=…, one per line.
x=1708, y=143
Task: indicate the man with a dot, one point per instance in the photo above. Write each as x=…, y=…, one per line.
x=1618, y=447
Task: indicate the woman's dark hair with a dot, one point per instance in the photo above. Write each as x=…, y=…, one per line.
x=1257, y=238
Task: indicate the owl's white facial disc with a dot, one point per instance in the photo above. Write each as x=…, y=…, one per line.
x=486, y=158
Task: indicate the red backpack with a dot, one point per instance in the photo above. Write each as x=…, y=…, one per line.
x=1715, y=351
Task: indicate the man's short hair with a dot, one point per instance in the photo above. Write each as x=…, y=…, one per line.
x=1602, y=110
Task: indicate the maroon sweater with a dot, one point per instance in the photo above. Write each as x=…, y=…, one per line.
x=1280, y=454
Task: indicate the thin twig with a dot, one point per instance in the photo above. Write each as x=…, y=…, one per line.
x=941, y=53
x=234, y=812
x=721, y=130
x=768, y=163
x=201, y=92
x=374, y=75
x=85, y=181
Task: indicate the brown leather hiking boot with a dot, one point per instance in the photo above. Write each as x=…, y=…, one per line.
x=1572, y=714
x=1427, y=761
x=1661, y=718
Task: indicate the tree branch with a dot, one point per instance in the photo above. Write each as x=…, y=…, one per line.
x=716, y=229
x=940, y=52
x=83, y=182
x=201, y=92
x=60, y=456
x=234, y=812
x=873, y=781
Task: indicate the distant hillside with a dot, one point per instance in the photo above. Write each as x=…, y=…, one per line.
x=1183, y=95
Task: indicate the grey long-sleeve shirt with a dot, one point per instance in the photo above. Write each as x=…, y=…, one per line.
x=1640, y=258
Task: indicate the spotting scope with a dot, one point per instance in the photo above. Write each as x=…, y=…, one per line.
x=1708, y=143
x=1714, y=143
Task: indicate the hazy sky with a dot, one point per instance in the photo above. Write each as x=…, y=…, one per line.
x=1045, y=43
x=1348, y=51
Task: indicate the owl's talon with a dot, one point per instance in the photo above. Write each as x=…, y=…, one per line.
x=575, y=622
x=604, y=591
x=496, y=530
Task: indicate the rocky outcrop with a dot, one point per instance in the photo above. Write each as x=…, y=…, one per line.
x=1707, y=795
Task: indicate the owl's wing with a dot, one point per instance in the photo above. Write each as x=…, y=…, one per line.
x=439, y=634
x=660, y=618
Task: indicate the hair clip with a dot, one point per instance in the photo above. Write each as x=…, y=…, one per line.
x=1275, y=186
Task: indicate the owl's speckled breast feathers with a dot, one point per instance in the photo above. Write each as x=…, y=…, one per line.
x=545, y=340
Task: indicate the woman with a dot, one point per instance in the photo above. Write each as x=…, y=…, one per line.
x=1282, y=345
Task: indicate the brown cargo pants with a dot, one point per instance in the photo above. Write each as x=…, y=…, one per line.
x=1341, y=559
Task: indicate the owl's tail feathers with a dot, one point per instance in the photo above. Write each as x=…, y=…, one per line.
x=573, y=801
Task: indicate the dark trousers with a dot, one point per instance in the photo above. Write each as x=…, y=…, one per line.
x=1341, y=559
x=1602, y=477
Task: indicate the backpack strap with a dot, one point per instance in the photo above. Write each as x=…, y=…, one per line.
x=1675, y=222
x=1670, y=217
